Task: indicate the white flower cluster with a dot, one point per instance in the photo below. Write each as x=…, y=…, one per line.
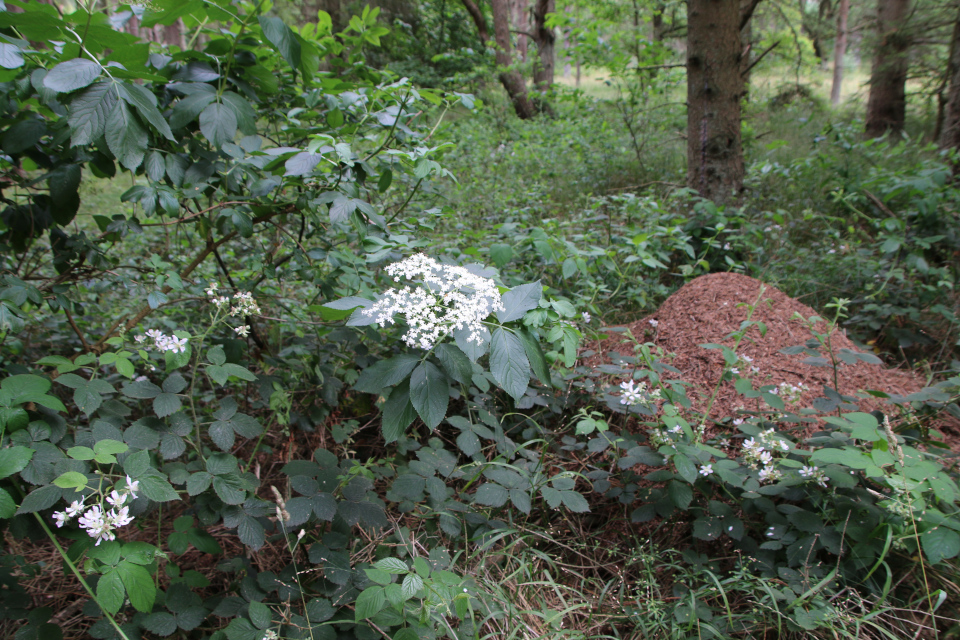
x=790, y=392
x=448, y=297
x=760, y=454
x=815, y=474
x=243, y=303
x=164, y=342
x=99, y=522
x=586, y=317
x=634, y=394
x=706, y=470
x=744, y=363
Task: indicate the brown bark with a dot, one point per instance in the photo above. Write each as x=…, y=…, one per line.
x=658, y=22
x=478, y=19
x=521, y=21
x=839, y=49
x=546, y=45
x=510, y=77
x=714, y=89
x=950, y=129
x=887, y=104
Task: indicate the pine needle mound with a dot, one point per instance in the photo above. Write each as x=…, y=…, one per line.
x=709, y=308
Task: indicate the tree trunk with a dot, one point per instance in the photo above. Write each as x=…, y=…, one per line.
x=521, y=21
x=658, y=22
x=839, y=49
x=886, y=106
x=714, y=88
x=746, y=57
x=478, y=19
x=546, y=45
x=511, y=79
x=950, y=129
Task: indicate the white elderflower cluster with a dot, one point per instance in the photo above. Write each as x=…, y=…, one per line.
x=633, y=393
x=448, y=297
x=761, y=454
x=790, y=392
x=243, y=302
x=98, y=521
x=164, y=342
x=814, y=474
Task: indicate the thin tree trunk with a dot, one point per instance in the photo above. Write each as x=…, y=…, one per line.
x=658, y=22
x=714, y=88
x=546, y=45
x=521, y=20
x=746, y=57
x=839, y=49
x=887, y=104
x=511, y=79
x=478, y=19
x=950, y=129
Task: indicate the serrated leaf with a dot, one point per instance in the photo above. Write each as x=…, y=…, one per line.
x=146, y=105
x=89, y=112
x=940, y=543
x=430, y=393
x=72, y=75
x=10, y=56
x=491, y=494
x=139, y=585
x=166, y=404
x=110, y=591
x=369, y=603
x=509, y=364
x=519, y=300
x=536, y=357
x=455, y=362
x=14, y=460
x=574, y=501
x=412, y=584
x=391, y=565
x=260, y=615
x=283, y=39
x=125, y=136
x=218, y=124
x=386, y=373
x=161, y=623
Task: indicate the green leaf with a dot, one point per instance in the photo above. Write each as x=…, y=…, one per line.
x=161, y=623
x=8, y=508
x=283, y=38
x=40, y=499
x=218, y=124
x=392, y=565
x=72, y=75
x=397, y=412
x=685, y=467
x=166, y=404
x=139, y=585
x=491, y=494
x=89, y=112
x=681, y=494
x=509, y=364
x=412, y=583
x=229, y=489
x=146, y=105
x=538, y=360
x=71, y=480
x=10, y=56
x=110, y=591
x=369, y=603
x=574, y=501
x=455, y=362
x=136, y=464
x=519, y=300
x=430, y=393
x=125, y=136
x=940, y=543
x=260, y=615
x=216, y=355
x=14, y=460
x=386, y=373
x=157, y=488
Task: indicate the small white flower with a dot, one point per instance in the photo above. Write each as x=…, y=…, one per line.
x=116, y=498
x=737, y=422
x=766, y=457
x=75, y=508
x=133, y=486
x=243, y=330
x=140, y=379
x=632, y=394
x=586, y=317
x=726, y=246
x=706, y=469
x=654, y=323
x=61, y=518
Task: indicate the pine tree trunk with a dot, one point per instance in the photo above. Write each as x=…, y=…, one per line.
x=714, y=88
x=511, y=79
x=950, y=129
x=546, y=45
x=887, y=104
x=839, y=49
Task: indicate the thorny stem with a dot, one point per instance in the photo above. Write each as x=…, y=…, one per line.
x=76, y=572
